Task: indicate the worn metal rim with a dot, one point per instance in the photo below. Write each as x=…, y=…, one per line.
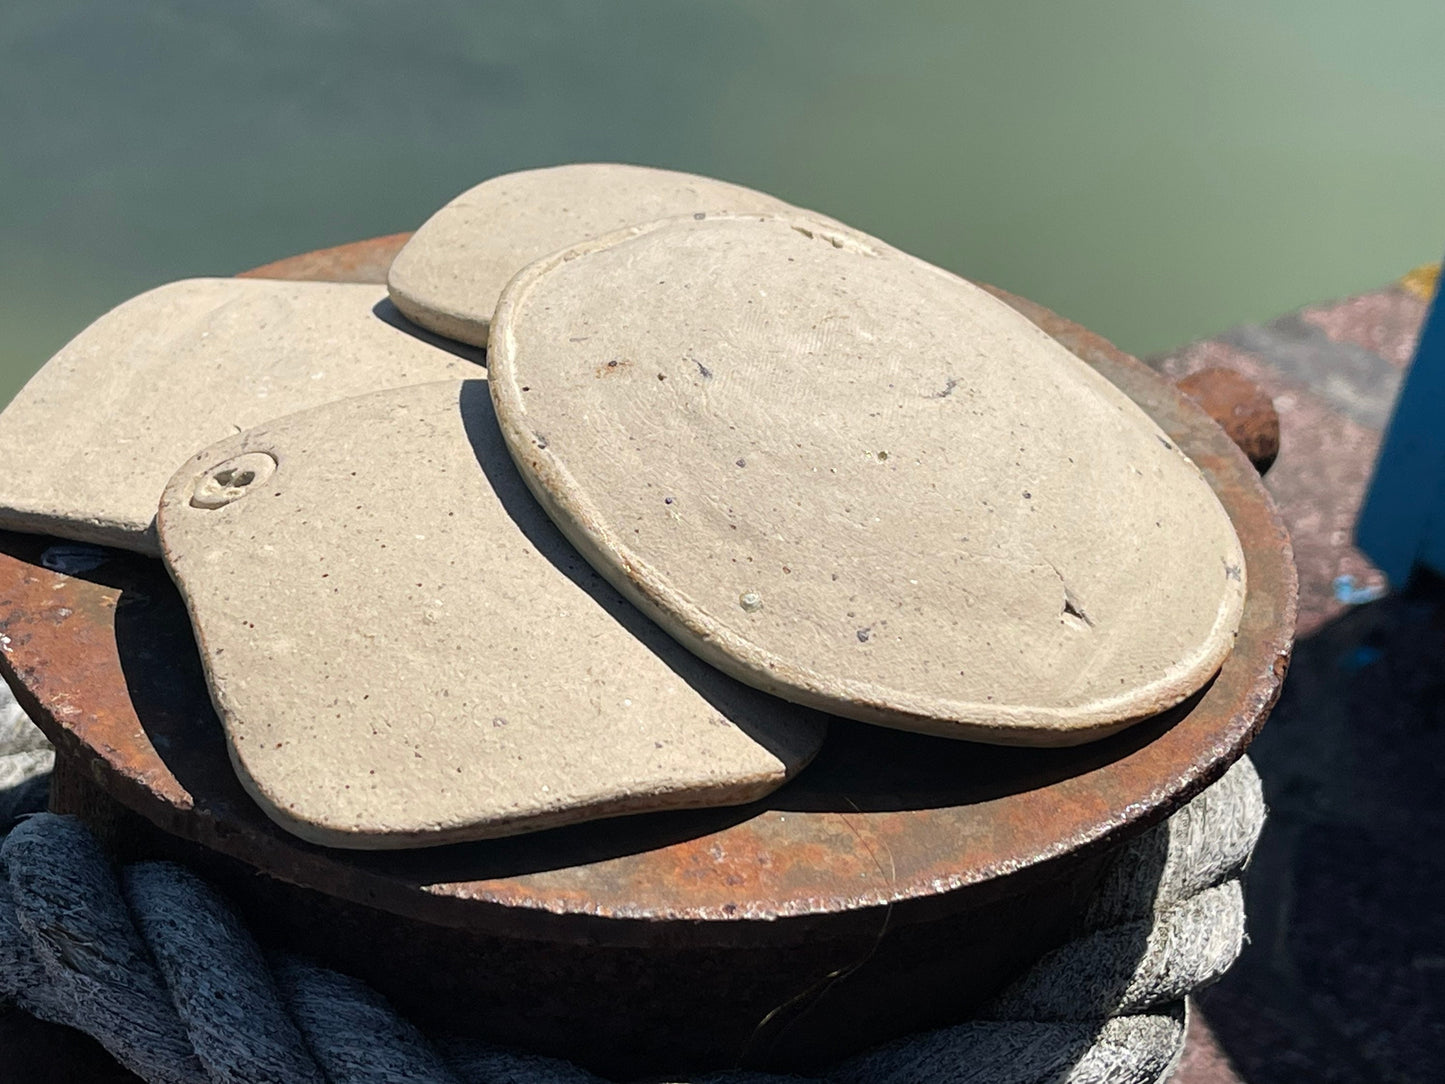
x=834, y=850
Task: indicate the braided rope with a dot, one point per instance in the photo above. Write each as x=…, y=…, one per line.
x=25, y=762
x=154, y=963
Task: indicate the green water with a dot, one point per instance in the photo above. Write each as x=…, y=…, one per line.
x=1158, y=170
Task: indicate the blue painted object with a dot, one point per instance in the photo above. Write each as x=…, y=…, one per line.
x=1402, y=524
x=1348, y=592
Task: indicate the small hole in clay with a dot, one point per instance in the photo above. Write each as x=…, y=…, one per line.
x=231, y=480
x=1073, y=610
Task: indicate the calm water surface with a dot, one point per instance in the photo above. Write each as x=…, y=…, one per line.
x=1158, y=170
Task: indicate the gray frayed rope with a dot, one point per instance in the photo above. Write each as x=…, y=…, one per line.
x=25, y=762
x=155, y=964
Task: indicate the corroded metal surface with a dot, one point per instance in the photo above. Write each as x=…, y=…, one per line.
x=884, y=827
x=361, y=261
x=1242, y=408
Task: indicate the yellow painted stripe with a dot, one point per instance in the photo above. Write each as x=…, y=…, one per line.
x=1422, y=281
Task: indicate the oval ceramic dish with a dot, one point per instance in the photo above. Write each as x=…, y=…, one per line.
x=861, y=483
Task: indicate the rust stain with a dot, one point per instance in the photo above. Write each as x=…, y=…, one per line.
x=613, y=367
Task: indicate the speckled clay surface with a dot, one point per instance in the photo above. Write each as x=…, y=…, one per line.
x=405, y=651
x=449, y=275
x=861, y=483
x=90, y=442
